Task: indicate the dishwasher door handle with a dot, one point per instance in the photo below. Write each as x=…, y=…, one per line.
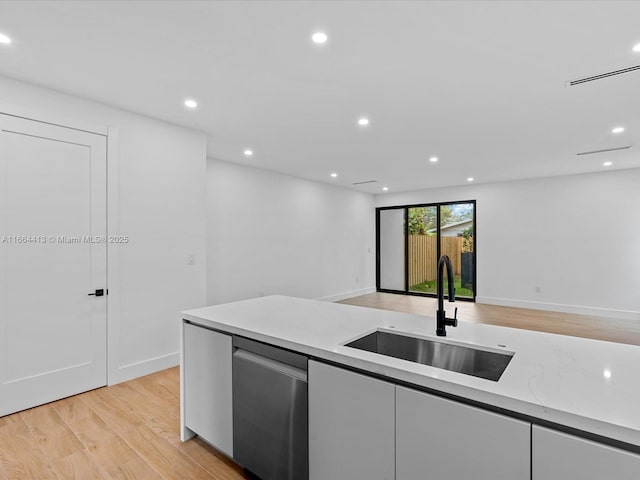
x=271, y=364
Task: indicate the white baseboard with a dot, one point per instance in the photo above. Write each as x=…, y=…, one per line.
x=352, y=293
x=559, y=307
x=145, y=367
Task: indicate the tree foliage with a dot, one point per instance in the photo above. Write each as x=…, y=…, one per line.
x=467, y=242
x=418, y=223
x=424, y=219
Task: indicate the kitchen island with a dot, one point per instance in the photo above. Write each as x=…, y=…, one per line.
x=564, y=407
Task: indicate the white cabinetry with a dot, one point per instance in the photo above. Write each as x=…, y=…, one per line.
x=208, y=410
x=351, y=425
x=443, y=439
x=560, y=456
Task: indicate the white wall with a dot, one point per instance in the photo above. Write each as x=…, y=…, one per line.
x=156, y=197
x=274, y=234
x=576, y=237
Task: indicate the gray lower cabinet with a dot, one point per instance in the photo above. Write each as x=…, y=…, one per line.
x=441, y=439
x=560, y=456
x=351, y=425
x=208, y=410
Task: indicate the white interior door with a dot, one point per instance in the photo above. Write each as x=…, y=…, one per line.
x=52, y=256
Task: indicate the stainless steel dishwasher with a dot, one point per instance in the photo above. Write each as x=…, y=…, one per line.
x=270, y=421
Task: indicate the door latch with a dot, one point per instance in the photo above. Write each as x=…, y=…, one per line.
x=99, y=292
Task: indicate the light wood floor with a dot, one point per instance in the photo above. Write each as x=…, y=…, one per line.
x=127, y=431
x=599, y=328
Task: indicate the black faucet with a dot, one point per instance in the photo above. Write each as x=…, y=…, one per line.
x=441, y=316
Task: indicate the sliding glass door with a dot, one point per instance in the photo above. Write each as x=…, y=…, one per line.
x=423, y=249
x=457, y=241
x=411, y=239
x=391, y=249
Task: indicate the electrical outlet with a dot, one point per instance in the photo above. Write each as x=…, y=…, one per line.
x=538, y=289
x=191, y=259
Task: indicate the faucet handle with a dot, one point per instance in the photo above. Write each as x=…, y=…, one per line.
x=453, y=321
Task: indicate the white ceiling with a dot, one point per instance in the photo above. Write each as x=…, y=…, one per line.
x=479, y=84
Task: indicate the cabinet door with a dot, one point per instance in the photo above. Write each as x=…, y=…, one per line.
x=208, y=410
x=560, y=456
x=351, y=425
x=446, y=440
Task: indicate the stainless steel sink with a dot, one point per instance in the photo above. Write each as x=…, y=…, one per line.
x=469, y=360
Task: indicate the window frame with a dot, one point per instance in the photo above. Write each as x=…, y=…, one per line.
x=405, y=209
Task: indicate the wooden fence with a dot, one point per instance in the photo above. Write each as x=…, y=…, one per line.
x=423, y=260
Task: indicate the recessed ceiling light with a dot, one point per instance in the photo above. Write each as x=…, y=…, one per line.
x=319, y=38
x=248, y=153
x=607, y=164
x=385, y=188
x=469, y=179
x=4, y=39
x=190, y=103
x=433, y=159
x=607, y=373
x=636, y=47
x=363, y=121
x=334, y=175
x=617, y=130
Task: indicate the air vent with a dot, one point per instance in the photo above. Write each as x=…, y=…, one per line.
x=363, y=183
x=606, y=150
x=593, y=78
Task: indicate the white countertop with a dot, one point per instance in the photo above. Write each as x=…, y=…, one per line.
x=590, y=385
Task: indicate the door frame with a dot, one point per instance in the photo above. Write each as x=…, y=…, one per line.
x=405, y=209
x=113, y=257
x=111, y=134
